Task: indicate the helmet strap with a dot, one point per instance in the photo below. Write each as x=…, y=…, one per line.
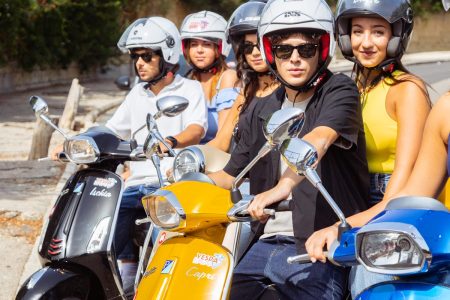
x=212, y=68
x=313, y=82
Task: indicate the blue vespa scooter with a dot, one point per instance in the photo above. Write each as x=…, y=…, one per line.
x=409, y=240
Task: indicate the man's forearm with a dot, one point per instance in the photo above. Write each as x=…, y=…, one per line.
x=190, y=136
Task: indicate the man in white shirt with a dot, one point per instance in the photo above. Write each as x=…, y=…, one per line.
x=154, y=44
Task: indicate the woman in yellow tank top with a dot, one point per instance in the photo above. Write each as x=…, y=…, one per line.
x=395, y=105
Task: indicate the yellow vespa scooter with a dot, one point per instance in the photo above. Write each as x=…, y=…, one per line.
x=194, y=264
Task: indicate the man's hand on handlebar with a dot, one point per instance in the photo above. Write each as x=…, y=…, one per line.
x=54, y=154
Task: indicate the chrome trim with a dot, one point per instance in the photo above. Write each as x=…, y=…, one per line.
x=82, y=138
x=238, y=208
x=226, y=287
x=172, y=200
x=111, y=261
x=331, y=251
x=394, y=227
x=198, y=157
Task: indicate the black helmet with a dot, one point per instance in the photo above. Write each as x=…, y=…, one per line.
x=244, y=20
x=398, y=13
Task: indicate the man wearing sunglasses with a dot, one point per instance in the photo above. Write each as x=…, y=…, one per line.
x=297, y=41
x=154, y=45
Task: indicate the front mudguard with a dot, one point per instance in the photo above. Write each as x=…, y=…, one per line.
x=56, y=283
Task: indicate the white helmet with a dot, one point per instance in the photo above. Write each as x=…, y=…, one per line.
x=155, y=33
x=205, y=25
x=300, y=16
x=446, y=4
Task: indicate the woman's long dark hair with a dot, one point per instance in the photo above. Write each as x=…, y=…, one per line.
x=246, y=75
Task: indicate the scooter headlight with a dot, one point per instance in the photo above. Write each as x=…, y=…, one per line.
x=164, y=209
x=81, y=150
x=188, y=160
x=390, y=252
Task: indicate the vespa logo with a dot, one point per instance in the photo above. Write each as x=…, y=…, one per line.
x=291, y=14
x=212, y=261
x=105, y=182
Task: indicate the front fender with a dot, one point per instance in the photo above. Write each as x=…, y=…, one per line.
x=55, y=283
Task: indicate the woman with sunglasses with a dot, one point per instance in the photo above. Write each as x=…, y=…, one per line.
x=395, y=105
x=205, y=49
x=252, y=71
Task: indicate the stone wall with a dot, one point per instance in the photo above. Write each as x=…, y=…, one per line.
x=431, y=33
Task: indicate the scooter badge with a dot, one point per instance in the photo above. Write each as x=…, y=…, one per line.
x=167, y=267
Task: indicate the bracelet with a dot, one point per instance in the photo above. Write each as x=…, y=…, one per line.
x=172, y=140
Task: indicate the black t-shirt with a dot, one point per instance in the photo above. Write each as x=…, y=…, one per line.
x=343, y=169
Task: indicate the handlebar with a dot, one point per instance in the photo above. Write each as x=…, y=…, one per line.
x=240, y=213
x=302, y=258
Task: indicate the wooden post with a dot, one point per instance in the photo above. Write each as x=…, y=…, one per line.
x=41, y=139
x=71, y=107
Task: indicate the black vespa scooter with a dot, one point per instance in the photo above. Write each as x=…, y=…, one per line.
x=76, y=247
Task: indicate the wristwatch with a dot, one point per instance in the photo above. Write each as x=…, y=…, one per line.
x=172, y=140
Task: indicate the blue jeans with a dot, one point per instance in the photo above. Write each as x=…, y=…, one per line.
x=130, y=209
x=378, y=184
x=265, y=264
x=360, y=278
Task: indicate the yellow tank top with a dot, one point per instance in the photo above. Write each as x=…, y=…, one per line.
x=380, y=129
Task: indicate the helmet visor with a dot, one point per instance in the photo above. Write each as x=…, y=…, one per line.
x=121, y=44
x=391, y=11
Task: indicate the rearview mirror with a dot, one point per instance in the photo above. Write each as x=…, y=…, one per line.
x=171, y=106
x=39, y=105
x=283, y=124
x=299, y=155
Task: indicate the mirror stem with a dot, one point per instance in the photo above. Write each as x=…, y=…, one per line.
x=236, y=195
x=157, y=162
x=133, y=142
x=314, y=178
x=49, y=122
x=163, y=141
x=262, y=152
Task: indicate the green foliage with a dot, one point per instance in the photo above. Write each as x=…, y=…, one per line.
x=56, y=33
x=223, y=7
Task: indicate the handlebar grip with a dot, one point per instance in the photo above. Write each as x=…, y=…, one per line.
x=284, y=205
x=301, y=259
x=62, y=157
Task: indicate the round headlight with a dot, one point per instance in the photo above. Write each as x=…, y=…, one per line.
x=163, y=208
x=394, y=251
x=81, y=151
x=188, y=160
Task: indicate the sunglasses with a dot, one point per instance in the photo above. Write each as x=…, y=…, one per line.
x=247, y=48
x=147, y=56
x=304, y=50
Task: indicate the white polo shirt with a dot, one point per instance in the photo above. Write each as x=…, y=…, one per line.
x=132, y=114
